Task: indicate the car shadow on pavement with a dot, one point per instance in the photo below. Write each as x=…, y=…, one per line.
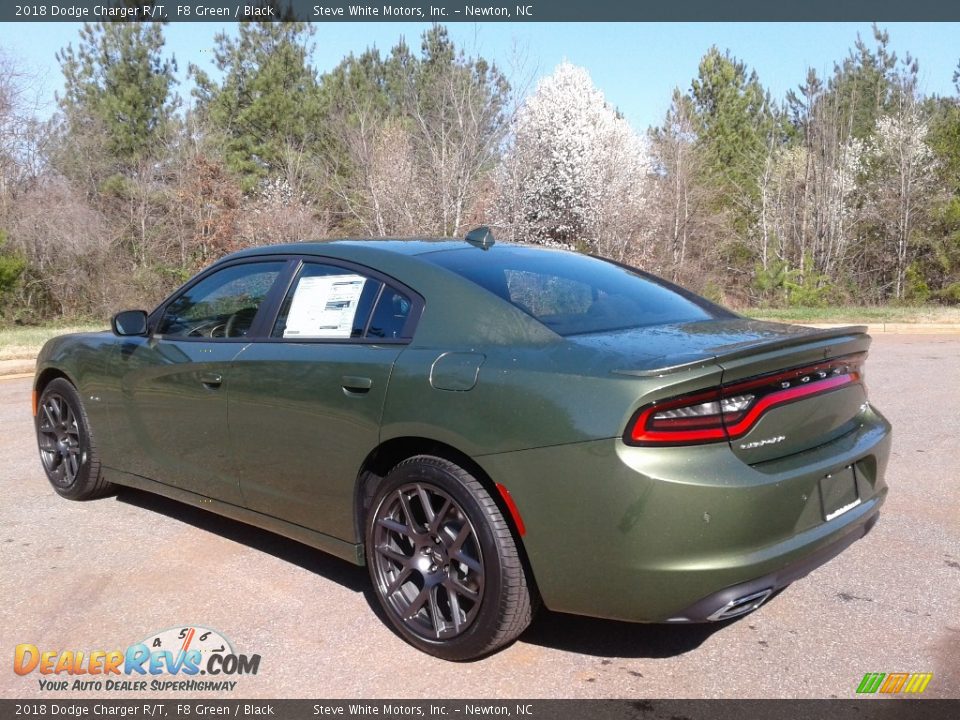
x=571, y=633
x=340, y=571
x=613, y=638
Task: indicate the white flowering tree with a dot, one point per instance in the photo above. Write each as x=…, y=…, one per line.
x=905, y=179
x=575, y=173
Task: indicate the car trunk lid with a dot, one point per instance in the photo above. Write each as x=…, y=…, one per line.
x=796, y=396
x=784, y=388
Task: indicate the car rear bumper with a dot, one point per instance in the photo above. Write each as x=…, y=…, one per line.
x=675, y=534
x=746, y=597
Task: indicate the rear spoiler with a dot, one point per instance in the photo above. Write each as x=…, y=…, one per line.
x=753, y=347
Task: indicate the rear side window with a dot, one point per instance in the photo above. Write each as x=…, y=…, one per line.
x=570, y=293
x=326, y=302
x=390, y=316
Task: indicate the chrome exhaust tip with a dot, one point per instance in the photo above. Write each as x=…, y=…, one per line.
x=741, y=606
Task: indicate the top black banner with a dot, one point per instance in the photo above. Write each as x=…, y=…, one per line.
x=512, y=11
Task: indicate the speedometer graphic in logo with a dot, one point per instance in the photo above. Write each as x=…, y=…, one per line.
x=179, y=640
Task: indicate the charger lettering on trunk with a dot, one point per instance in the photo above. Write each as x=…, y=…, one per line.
x=761, y=443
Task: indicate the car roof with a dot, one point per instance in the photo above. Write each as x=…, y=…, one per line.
x=399, y=258
x=389, y=255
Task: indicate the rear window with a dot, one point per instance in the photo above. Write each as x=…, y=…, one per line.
x=569, y=293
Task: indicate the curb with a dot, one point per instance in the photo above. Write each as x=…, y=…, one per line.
x=894, y=328
x=10, y=369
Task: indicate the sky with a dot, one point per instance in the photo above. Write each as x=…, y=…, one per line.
x=636, y=65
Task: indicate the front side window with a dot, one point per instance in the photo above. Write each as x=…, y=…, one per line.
x=222, y=305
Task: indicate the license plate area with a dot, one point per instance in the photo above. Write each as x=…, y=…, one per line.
x=838, y=493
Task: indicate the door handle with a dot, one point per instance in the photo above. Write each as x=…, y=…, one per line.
x=354, y=385
x=211, y=380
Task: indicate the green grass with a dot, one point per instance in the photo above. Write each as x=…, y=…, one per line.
x=25, y=342
x=853, y=314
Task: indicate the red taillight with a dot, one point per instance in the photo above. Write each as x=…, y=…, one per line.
x=686, y=420
x=730, y=411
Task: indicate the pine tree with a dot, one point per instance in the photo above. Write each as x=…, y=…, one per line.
x=736, y=124
x=266, y=108
x=119, y=85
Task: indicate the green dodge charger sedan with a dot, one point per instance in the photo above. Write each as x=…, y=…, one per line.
x=486, y=426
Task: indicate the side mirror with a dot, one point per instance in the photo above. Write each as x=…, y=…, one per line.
x=129, y=322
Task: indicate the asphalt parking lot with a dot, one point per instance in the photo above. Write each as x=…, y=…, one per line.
x=106, y=574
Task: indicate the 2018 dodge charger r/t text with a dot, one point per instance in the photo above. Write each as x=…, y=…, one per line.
x=486, y=426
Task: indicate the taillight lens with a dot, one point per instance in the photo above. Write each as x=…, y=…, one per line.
x=730, y=411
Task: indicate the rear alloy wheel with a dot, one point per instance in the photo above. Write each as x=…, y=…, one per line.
x=444, y=562
x=67, y=450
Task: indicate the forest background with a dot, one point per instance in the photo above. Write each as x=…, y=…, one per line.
x=844, y=191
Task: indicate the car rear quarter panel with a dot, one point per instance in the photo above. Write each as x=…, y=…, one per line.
x=638, y=534
x=525, y=397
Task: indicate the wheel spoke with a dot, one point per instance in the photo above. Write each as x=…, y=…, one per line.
x=417, y=604
x=428, y=512
x=399, y=580
x=396, y=556
x=439, y=516
x=470, y=562
x=433, y=607
x=408, y=514
x=457, y=587
x=454, y=609
x=72, y=466
x=457, y=545
x=48, y=413
x=394, y=526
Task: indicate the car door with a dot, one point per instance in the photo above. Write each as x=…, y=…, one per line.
x=305, y=402
x=173, y=384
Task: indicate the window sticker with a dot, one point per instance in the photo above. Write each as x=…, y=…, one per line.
x=324, y=306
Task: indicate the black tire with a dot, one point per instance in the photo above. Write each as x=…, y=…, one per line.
x=450, y=579
x=68, y=450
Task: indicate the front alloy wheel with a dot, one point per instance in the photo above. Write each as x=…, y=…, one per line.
x=58, y=435
x=67, y=448
x=444, y=562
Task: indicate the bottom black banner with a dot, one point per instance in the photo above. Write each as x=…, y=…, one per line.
x=859, y=709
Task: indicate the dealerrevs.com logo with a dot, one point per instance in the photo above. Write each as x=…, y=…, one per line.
x=199, y=658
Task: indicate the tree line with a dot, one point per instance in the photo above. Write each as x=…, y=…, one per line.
x=846, y=190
